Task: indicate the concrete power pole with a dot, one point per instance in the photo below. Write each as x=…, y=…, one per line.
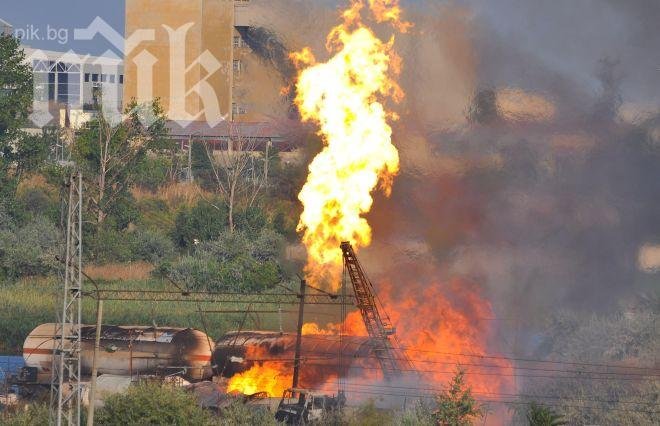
x=65, y=401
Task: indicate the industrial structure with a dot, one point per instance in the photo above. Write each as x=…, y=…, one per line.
x=393, y=361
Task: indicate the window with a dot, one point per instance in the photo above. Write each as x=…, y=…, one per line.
x=237, y=109
x=121, y=78
x=95, y=77
x=237, y=66
x=86, y=77
x=104, y=78
x=238, y=41
x=112, y=78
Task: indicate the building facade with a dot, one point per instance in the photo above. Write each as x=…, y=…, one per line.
x=198, y=62
x=67, y=83
x=5, y=27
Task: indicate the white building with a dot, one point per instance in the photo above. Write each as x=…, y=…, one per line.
x=6, y=28
x=65, y=82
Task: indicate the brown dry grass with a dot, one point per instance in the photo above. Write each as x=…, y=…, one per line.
x=35, y=181
x=175, y=195
x=120, y=271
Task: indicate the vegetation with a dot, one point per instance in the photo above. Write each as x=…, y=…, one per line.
x=152, y=404
x=29, y=415
x=456, y=406
x=627, y=337
x=239, y=414
x=539, y=415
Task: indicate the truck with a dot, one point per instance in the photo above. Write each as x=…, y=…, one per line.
x=300, y=406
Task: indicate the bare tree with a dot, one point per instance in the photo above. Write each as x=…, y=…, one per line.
x=240, y=170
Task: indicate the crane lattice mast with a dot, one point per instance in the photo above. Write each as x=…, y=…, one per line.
x=379, y=326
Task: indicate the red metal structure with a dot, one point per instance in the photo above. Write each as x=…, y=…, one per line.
x=392, y=359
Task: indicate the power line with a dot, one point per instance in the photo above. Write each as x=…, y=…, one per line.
x=478, y=373
x=430, y=396
x=515, y=359
x=498, y=394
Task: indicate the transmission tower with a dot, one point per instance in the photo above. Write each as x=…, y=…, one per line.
x=65, y=386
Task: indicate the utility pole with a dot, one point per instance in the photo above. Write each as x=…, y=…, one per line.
x=97, y=344
x=65, y=385
x=301, y=310
x=190, y=175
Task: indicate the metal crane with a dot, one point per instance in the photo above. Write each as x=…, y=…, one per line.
x=392, y=359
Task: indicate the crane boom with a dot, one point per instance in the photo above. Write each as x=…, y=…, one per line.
x=391, y=358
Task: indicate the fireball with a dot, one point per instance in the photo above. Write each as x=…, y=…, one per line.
x=345, y=97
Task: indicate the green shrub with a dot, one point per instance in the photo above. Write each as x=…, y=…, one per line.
x=153, y=404
x=152, y=246
x=38, y=202
x=33, y=414
x=153, y=173
x=29, y=250
x=250, y=220
x=109, y=245
x=234, y=261
x=239, y=414
x=203, y=222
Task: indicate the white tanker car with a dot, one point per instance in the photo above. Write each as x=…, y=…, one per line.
x=124, y=351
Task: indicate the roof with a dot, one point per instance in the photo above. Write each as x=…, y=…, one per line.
x=225, y=129
x=5, y=23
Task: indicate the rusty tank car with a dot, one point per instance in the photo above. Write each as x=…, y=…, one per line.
x=125, y=350
x=237, y=352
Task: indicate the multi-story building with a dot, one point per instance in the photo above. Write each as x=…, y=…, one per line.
x=198, y=62
x=67, y=83
x=5, y=27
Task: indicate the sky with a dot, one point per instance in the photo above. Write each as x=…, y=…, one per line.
x=567, y=36
x=50, y=25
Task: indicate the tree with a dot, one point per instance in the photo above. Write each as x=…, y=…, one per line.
x=153, y=404
x=240, y=171
x=456, y=406
x=539, y=415
x=110, y=152
x=18, y=151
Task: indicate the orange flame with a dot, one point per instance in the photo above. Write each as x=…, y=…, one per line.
x=440, y=327
x=270, y=377
x=344, y=96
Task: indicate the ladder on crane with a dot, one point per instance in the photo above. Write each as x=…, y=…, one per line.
x=392, y=359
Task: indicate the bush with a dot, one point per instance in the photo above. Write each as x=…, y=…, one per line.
x=153, y=404
x=29, y=250
x=38, y=202
x=152, y=246
x=250, y=220
x=200, y=223
x=152, y=173
x=234, y=261
x=109, y=245
x=33, y=414
x=239, y=414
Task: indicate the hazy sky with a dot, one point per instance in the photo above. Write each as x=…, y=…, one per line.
x=49, y=24
x=567, y=36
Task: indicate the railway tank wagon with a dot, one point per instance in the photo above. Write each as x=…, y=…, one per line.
x=125, y=351
x=235, y=352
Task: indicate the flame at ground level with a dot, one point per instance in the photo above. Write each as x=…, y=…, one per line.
x=270, y=377
x=440, y=327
